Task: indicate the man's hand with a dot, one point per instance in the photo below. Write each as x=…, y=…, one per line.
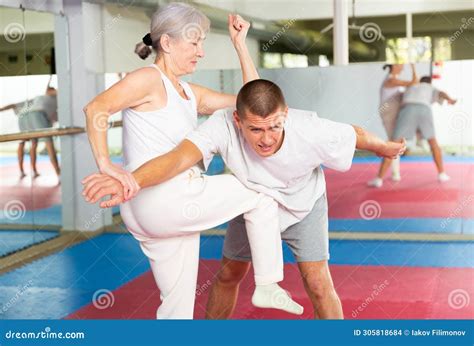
x=392, y=150
x=452, y=101
x=99, y=185
x=129, y=184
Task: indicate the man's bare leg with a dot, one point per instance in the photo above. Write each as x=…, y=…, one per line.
x=21, y=154
x=378, y=181
x=225, y=289
x=437, y=154
x=384, y=167
x=34, y=145
x=320, y=288
x=52, y=156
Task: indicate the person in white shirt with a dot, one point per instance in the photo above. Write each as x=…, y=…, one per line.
x=276, y=151
x=20, y=109
x=36, y=114
x=41, y=115
x=391, y=92
x=416, y=115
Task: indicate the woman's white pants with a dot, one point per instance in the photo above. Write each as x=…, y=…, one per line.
x=166, y=219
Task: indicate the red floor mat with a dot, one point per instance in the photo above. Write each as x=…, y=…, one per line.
x=367, y=292
x=418, y=194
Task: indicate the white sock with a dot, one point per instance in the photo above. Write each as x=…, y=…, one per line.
x=273, y=296
x=442, y=177
x=376, y=182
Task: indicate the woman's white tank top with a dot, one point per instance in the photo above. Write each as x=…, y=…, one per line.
x=391, y=93
x=153, y=133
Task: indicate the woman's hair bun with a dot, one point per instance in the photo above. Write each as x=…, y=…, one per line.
x=147, y=40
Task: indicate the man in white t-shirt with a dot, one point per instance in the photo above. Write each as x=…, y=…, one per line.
x=277, y=151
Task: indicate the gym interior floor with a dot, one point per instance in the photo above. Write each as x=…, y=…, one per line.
x=404, y=251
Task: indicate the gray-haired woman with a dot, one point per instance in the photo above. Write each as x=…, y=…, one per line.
x=159, y=111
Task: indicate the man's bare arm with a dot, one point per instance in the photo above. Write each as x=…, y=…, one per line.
x=370, y=142
x=153, y=172
x=444, y=96
x=165, y=167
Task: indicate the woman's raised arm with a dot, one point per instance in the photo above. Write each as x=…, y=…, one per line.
x=209, y=100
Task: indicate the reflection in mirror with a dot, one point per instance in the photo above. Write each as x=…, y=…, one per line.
x=29, y=186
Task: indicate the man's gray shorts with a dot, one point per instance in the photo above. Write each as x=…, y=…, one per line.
x=308, y=239
x=413, y=117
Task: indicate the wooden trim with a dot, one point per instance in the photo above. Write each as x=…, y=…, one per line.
x=52, y=132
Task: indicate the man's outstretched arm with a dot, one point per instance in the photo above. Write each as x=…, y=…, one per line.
x=165, y=167
x=152, y=172
x=370, y=142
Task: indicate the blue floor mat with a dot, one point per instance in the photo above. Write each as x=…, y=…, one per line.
x=404, y=225
x=51, y=216
x=56, y=285
x=46, y=216
x=11, y=241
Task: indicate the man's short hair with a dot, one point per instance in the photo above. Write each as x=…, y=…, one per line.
x=260, y=97
x=425, y=79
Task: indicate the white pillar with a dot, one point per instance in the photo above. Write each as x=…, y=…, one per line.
x=76, y=86
x=341, y=33
x=409, y=36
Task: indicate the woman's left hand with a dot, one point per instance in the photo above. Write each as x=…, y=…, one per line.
x=238, y=29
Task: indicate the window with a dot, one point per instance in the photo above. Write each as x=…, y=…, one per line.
x=400, y=51
x=442, y=49
x=278, y=60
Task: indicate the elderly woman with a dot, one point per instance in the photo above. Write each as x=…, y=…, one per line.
x=159, y=110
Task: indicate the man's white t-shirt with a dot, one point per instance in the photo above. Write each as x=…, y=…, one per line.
x=422, y=93
x=293, y=175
